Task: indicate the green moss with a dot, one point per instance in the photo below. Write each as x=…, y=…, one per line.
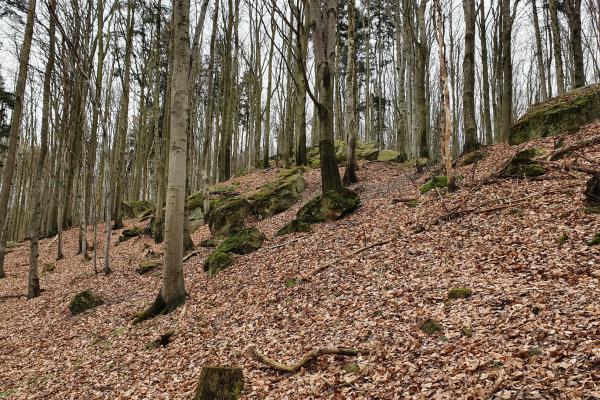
x=592, y=210
x=459, y=293
x=414, y=203
x=229, y=216
x=390, y=156
x=430, y=326
x=7, y=393
x=147, y=266
x=294, y=226
x=523, y=164
x=535, y=352
x=135, y=208
x=278, y=195
x=243, y=242
x=286, y=173
x=131, y=233
x=467, y=331
x=595, y=241
x=290, y=282
x=436, y=182
x=351, y=368
x=330, y=206
x=562, y=114
x=562, y=239
x=195, y=201
x=217, y=261
x=84, y=301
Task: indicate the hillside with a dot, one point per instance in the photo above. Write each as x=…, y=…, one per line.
x=529, y=329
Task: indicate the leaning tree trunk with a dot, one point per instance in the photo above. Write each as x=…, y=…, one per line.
x=36, y=215
x=13, y=138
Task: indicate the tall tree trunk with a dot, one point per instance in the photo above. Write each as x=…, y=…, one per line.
x=324, y=24
x=539, y=52
x=351, y=166
x=300, y=100
x=123, y=122
x=573, y=11
x=267, y=122
x=485, y=76
x=469, y=122
x=172, y=293
x=34, y=280
x=15, y=124
x=507, y=72
x=556, y=46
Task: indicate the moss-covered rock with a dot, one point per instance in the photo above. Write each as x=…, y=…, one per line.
x=294, y=226
x=49, y=267
x=146, y=267
x=229, y=217
x=391, y=156
x=430, y=326
x=562, y=114
x=136, y=208
x=435, y=182
x=329, y=206
x=243, y=242
x=84, y=301
x=217, y=261
x=524, y=164
x=131, y=233
x=459, y=293
x=278, y=195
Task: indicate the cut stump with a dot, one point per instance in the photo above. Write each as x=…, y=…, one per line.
x=220, y=383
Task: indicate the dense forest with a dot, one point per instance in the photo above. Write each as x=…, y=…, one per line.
x=184, y=124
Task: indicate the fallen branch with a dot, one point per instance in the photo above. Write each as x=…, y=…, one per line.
x=308, y=357
x=572, y=147
x=284, y=244
x=328, y=264
x=193, y=253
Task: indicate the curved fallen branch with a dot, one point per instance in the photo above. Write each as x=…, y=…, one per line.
x=308, y=357
x=572, y=147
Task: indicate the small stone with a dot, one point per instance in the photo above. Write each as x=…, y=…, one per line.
x=84, y=301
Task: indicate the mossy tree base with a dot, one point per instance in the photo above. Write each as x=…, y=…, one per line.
x=220, y=383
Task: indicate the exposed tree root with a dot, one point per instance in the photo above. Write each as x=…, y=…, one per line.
x=308, y=357
x=159, y=307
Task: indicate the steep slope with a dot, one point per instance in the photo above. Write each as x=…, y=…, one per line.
x=529, y=329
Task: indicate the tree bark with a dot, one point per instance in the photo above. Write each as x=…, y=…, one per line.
x=13, y=139
x=469, y=122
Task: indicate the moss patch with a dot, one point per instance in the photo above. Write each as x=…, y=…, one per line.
x=217, y=261
x=562, y=114
x=435, y=182
x=524, y=164
x=595, y=241
x=243, y=242
x=134, y=209
x=147, y=266
x=228, y=217
x=391, y=156
x=430, y=326
x=562, y=239
x=459, y=293
x=328, y=207
x=278, y=195
x=84, y=301
x=472, y=158
x=294, y=226
x=131, y=233
x=351, y=368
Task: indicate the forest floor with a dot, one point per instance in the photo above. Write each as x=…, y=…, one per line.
x=531, y=328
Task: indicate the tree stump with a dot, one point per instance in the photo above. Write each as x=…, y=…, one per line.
x=220, y=383
x=592, y=190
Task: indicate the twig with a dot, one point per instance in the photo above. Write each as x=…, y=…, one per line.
x=284, y=244
x=193, y=253
x=308, y=357
x=328, y=264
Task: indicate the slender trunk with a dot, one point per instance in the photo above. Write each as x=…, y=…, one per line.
x=351, y=166
x=556, y=46
x=469, y=122
x=13, y=139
